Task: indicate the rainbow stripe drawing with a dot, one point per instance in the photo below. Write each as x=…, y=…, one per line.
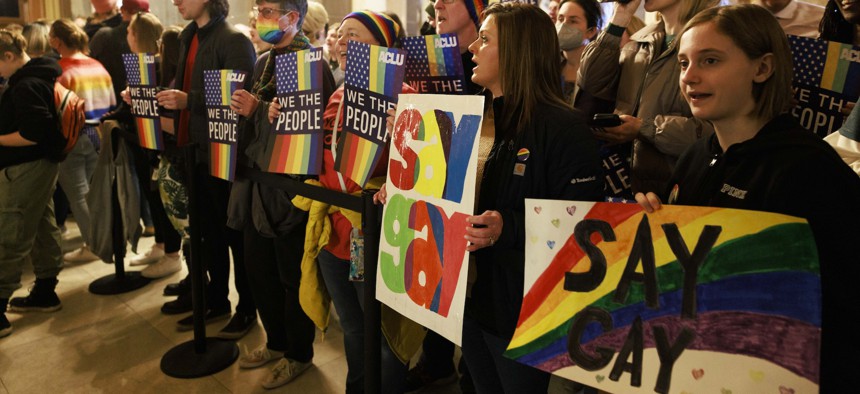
x=218, y=86
x=373, y=79
x=295, y=145
x=687, y=299
x=142, y=87
x=434, y=65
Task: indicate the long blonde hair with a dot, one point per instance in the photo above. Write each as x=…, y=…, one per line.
x=147, y=31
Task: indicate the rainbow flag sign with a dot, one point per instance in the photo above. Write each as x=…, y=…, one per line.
x=142, y=86
x=826, y=77
x=434, y=65
x=686, y=299
x=296, y=143
x=219, y=85
x=373, y=79
x=432, y=167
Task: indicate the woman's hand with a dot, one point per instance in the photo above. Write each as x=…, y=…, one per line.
x=125, y=96
x=628, y=130
x=624, y=12
x=172, y=99
x=649, y=202
x=389, y=121
x=243, y=102
x=484, y=231
x=274, y=111
x=380, y=197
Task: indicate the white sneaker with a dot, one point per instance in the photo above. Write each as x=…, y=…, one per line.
x=80, y=255
x=165, y=266
x=153, y=255
x=259, y=357
x=285, y=371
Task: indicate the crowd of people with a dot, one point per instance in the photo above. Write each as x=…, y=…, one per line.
x=702, y=97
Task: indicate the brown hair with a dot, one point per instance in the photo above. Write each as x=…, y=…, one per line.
x=38, y=42
x=757, y=33
x=689, y=8
x=12, y=42
x=147, y=31
x=527, y=76
x=169, y=54
x=218, y=8
x=72, y=36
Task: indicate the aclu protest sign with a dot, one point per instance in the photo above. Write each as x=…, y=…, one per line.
x=826, y=78
x=219, y=85
x=434, y=65
x=373, y=79
x=297, y=141
x=685, y=299
x=431, y=191
x=142, y=87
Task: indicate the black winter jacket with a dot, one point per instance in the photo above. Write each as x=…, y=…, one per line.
x=561, y=163
x=787, y=169
x=220, y=46
x=28, y=107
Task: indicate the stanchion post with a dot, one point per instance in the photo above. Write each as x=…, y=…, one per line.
x=372, y=311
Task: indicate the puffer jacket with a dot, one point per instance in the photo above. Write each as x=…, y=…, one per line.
x=642, y=80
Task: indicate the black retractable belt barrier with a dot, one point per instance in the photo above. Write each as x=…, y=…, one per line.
x=120, y=281
x=372, y=313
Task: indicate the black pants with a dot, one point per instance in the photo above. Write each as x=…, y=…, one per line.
x=274, y=271
x=164, y=231
x=211, y=196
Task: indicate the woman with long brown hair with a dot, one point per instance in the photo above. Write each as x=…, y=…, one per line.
x=540, y=146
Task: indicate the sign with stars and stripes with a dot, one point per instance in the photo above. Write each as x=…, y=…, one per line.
x=142, y=87
x=296, y=144
x=218, y=86
x=434, y=65
x=373, y=78
x=826, y=78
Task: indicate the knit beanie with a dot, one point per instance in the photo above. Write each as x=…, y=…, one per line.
x=381, y=26
x=476, y=7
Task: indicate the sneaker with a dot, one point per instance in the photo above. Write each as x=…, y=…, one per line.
x=180, y=305
x=39, y=300
x=187, y=324
x=259, y=357
x=238, y=326
x=149, y=257
x=80, y=255
x=166, y=265
x=5, y=326
x=419, y=377
x=285, y=371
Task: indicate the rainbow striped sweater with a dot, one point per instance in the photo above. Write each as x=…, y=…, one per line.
x=90, y=81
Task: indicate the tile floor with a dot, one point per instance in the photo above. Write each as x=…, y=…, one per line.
x=110, y=344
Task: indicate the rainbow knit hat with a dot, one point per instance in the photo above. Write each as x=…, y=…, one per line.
x=476, y=7
x=384, y=29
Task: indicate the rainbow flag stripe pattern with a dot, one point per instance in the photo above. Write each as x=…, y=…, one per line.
x=433, y=64
x=760, y=281
x=829, y=65
x=218, y=86
x=140, y=71
x=375, y=73
x=297, y=151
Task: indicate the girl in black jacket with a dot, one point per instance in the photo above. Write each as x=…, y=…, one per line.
x=736, y=73
x=542, y=149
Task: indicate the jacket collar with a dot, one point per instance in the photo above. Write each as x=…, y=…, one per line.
x=193, y=29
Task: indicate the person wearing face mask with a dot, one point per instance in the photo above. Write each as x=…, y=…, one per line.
x=577, y=23
x=274, y=238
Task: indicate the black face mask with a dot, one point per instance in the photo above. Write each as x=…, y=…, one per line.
x=427, y=29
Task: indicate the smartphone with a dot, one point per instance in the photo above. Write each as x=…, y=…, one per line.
x=605, y=120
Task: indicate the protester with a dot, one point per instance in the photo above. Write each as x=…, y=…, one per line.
x=315, y=25
x=736, y=73
x=109, y=43
x=577, y=23
x=30, y=147
x=461, y=17
x=841, y=23
x=639, y=80
x=90, y=81
x=532, y=117
x=210, y=43
x=106, y=14
x=274, y=246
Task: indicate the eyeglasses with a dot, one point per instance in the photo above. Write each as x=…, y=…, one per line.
x=268, y=12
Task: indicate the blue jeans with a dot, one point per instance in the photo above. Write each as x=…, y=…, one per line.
x=75, y=175
x=348, y=298
x=491, y=371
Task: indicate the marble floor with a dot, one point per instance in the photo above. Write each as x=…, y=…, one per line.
x=113, y=344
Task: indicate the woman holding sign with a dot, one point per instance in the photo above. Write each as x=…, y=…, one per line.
x=542, y=149
x=736, y=73
x=334, y=260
